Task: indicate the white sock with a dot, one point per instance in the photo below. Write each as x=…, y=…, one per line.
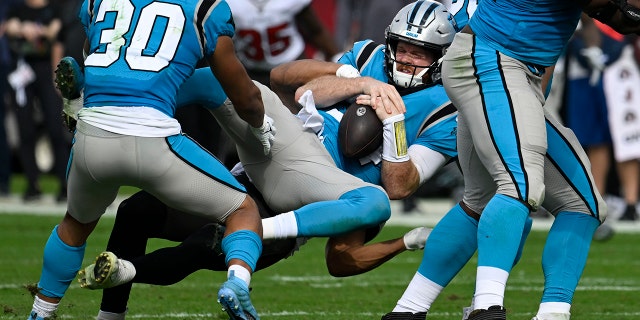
x=281, y=226
x=419, y=295
x=490, y=286
x=240, y=272
x=104, y=315
x=43, y=308
x=554, y=307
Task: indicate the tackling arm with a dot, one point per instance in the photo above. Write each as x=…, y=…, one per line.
x=233, y=77
x=328, y=90
x=347, y=255
x=288, y=77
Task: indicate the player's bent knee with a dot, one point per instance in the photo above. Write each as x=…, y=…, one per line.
x=371, y=204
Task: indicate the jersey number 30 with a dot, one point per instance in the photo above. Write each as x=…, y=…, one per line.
x=143, y=51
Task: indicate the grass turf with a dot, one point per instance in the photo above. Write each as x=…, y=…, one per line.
x=300, y=287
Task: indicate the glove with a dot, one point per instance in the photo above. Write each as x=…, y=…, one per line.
x=416, y=238
x=70, y=112
x=69, y=122
x=596, y=60
x=265, y=134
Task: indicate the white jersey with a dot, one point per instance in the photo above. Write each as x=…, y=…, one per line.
x=266, y=31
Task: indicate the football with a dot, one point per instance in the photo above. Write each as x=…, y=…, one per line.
x=360, y=131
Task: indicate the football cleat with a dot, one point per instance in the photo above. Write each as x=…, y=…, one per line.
x=465, y=312
x=70, y=81
x=552, y=316
x=492, y=313
x=235, y=300
x=108, y=271
x=604, y=232
x=405, y=316
x=69, y=78
x=416, y=238
x=34, y=316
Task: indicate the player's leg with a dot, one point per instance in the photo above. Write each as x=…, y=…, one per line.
x=317, y=198
x=138, y=218
x=64, y=251
x=453, y=240
x=507, y=126
x=143, y=216
x=573, y=198
x=188, y=178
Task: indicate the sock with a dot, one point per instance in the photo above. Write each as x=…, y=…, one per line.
x=244, y=245
x=240, y=272
x=61, y=263
x=490, y=285
x=500, y=231
x=565, y=254
x=449, y=247
x=554, y=307
x=104, y=315
x=281, y=226
x=419, y=290
x=43, y=308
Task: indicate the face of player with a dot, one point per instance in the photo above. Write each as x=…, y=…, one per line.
x=411, y=58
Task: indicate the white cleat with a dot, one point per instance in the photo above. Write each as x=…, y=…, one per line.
x=108, y=271
x=552, y=316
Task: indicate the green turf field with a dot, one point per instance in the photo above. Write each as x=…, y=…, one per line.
x=300, y=287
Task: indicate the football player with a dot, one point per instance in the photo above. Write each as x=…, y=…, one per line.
x=272, y=32
x=375, y=74
x=138, y=55
x=344, y=249
x=578, y=208
x=298, y=175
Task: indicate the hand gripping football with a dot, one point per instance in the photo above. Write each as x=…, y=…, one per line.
x=360, y=131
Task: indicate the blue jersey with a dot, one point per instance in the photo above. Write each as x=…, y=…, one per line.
x=461, y=10
x=532, y=31
x=141, y=51
x=430, y=119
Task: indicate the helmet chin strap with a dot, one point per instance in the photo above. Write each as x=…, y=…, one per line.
x=408, y=80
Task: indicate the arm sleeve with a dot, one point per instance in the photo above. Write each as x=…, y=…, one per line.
x=427, y=161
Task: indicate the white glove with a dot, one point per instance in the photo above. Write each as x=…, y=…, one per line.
x=265, y=133
x=416, y=238
x=347, y=71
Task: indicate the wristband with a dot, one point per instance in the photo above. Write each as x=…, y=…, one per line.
x=347, y=71
x=394, y=143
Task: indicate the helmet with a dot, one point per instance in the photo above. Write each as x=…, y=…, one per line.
x=424, y=23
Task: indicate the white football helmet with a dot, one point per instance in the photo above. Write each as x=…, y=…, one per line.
x=424, y=23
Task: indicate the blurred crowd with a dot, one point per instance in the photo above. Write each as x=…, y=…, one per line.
x=595, y=89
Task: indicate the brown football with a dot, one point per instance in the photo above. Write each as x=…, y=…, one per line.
x=360, y=131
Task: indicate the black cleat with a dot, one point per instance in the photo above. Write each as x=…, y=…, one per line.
x=493, y=313
x=405, y=316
